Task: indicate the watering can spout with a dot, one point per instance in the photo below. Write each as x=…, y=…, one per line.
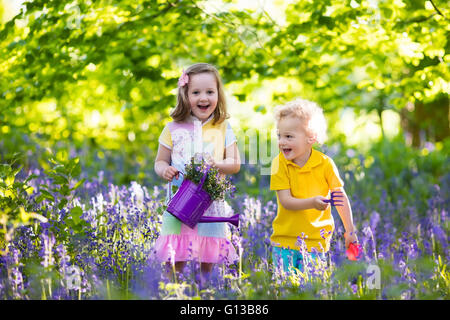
x=234, y=220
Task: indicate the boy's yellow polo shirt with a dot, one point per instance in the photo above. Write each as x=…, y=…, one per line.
x=315, y=178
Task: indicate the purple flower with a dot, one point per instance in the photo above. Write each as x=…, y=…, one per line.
x=354, y=288
x=47, y=243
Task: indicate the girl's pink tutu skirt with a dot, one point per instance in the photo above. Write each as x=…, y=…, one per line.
x=188, y=246
x=206, y=242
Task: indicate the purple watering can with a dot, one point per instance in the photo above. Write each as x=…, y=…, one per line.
x=190, y=203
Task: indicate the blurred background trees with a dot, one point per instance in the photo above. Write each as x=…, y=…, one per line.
x=97, y=79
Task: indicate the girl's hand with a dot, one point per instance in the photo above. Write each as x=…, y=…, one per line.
x=350, y=237
x=319, y=204
x=169, y=173
x=209, y=159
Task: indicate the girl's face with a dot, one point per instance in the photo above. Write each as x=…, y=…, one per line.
x=203, y=95
x=293, y=140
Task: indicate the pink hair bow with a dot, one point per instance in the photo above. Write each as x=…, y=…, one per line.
x=183, y=80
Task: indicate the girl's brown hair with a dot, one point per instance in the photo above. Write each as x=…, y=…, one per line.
x=183, y=109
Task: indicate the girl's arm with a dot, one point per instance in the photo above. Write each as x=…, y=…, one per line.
x=291, y=203
x=232, y=162
x=162, y=164
x=345, y=212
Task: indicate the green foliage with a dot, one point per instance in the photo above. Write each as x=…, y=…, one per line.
x=15, y=209
x=59, y=196
x=393, y=171
x=13, y=193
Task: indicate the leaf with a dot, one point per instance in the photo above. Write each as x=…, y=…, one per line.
x=327, y=21
x=76, y=213
x=29, y=190
x=32, y=176
x=10, y=180
x=78, y=184
x=16, y=171
x=387, y=12
x=40, y=198
x=76, y=171
x=260, y=108
x=4, y=170
x=65, y=191
x=77, y=228
x=24, y=216
x=47, y=195
x=62, y=203
x=59, y=178
x=60, y=169
x=74, y=167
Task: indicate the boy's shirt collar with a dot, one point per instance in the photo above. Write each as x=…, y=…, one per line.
x=314, y=160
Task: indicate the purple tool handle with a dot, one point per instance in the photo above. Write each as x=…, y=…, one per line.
x=336, y=199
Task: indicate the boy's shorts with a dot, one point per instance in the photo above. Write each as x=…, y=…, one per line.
x=293, y=258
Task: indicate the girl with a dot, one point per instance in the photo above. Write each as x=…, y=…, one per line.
x=199, y=126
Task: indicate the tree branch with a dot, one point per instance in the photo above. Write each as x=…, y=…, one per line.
x=437, y=10
x=419, y=19
x=233, y=28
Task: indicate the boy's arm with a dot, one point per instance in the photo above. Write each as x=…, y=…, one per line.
x=345, y=213
x=291, y=203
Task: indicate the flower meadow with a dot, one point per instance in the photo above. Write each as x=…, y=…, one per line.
x=69, y=235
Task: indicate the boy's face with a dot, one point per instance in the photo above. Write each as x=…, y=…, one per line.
x=293, y=139
x=203, y=95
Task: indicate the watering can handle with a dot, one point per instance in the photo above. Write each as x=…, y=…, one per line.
x=170, y=186
x=200, y=185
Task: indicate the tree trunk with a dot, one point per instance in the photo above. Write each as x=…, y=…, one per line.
x=427, y=121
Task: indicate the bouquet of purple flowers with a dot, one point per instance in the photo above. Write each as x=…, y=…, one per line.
x=216, y=185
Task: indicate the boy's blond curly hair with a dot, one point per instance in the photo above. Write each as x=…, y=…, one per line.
x=309, y=113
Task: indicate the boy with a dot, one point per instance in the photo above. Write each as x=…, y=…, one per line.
x=302, y=178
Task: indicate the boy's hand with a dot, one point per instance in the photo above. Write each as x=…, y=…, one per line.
x=319, y=204
x=169, y=173
x=350, y=237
